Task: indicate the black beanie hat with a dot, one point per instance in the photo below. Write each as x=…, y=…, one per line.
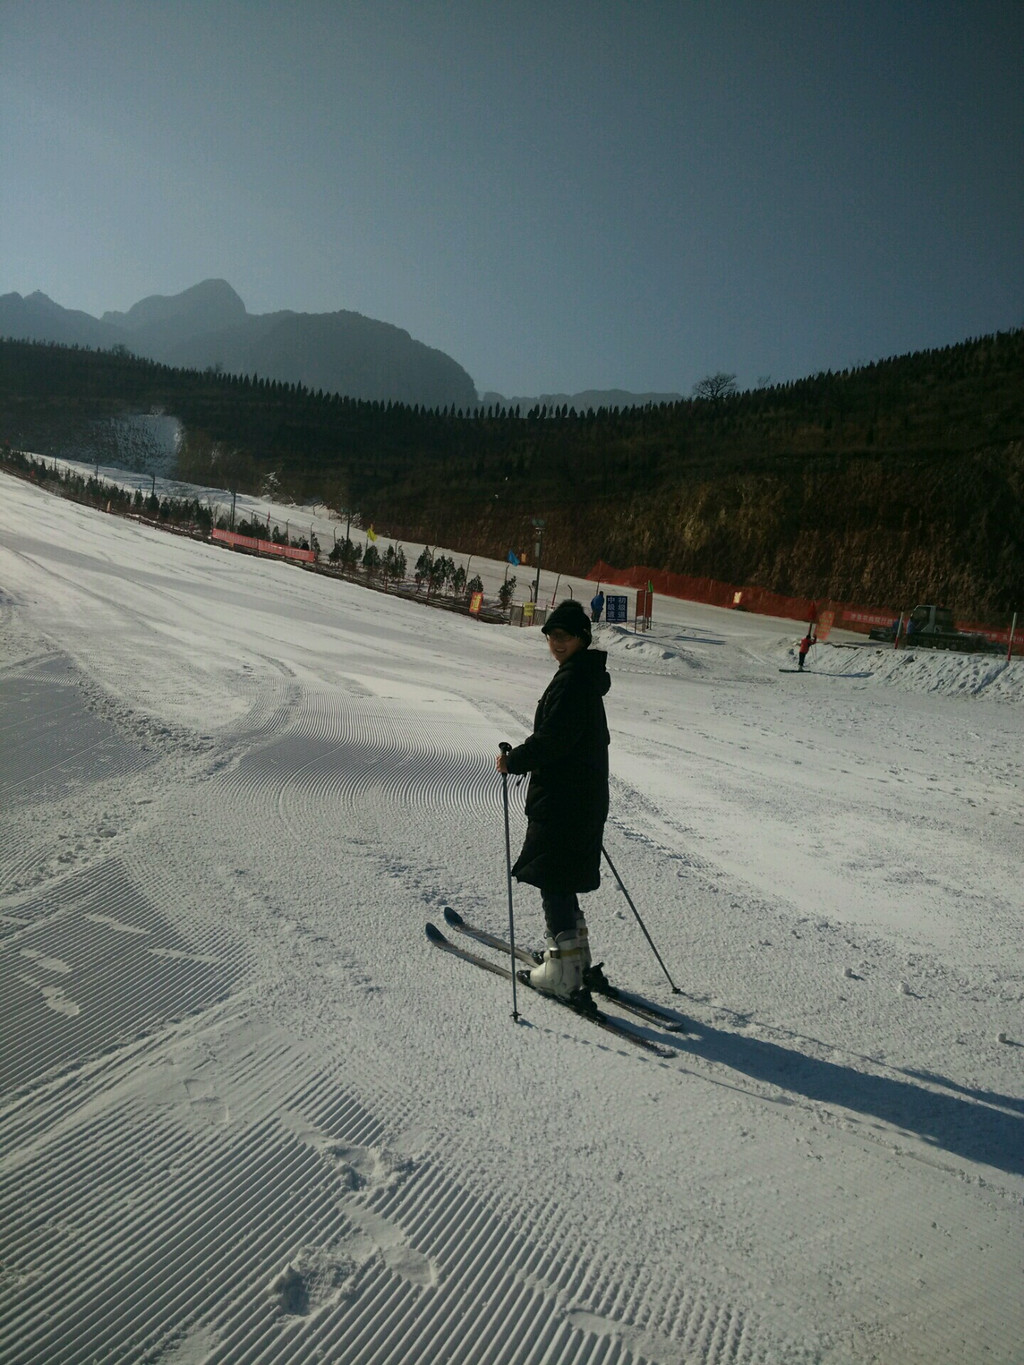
x=570, y=617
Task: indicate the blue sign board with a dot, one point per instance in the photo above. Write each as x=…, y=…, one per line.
x=616, y=608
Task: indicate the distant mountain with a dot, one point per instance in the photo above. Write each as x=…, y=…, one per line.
x=37, y=318
x=589, y=398
x=209, y=326
x=170, y=320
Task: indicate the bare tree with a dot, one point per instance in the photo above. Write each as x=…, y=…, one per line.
x=715, y=386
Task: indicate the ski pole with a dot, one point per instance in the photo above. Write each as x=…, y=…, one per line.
x=507, y=749
x=643, y=926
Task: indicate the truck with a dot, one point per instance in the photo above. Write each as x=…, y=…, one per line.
x=933, y=627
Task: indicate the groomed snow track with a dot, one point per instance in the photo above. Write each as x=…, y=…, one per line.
x=246, y=1116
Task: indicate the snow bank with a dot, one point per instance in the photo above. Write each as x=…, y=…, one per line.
x=938, y=672
x=948, y=674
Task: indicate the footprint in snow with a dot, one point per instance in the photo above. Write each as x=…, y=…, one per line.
x=56, y=999
x=49, y=964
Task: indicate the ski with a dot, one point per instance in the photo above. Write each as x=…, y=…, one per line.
x=595, y=1016
x=598, y=984
x=820, y=673
x=500, y=945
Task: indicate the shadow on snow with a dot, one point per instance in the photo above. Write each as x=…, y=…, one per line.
x=966, y=1124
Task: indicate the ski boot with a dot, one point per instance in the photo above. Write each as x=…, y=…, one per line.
x=561, y=972
x=594, y=978
x=583, y=934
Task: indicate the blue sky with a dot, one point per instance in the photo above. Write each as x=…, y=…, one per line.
x=559, y=195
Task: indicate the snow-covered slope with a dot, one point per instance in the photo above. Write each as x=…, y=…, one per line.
x=248, y=1114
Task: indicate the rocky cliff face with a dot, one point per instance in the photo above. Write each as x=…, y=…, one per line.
x=208, y=325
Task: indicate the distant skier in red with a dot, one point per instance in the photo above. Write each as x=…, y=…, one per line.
x=805, y=646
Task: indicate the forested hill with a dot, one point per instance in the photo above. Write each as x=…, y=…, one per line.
x=895, y=482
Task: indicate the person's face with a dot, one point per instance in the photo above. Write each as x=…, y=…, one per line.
x=563, y=645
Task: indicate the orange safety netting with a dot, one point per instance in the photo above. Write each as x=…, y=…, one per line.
x=747, y=597
x=263, y=547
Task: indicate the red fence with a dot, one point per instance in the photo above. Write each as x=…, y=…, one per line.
x=709, y=590
x=848, y=616
x=263, y=547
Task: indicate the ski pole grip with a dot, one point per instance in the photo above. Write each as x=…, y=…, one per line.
x=505, y=747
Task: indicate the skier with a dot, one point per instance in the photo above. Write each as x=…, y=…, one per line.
x=567, y=798
x=597, y=607
x=805, y=646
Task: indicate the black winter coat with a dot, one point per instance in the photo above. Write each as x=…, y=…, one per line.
x=567, y=759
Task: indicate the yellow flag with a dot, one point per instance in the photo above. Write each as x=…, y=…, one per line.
x=371, y=534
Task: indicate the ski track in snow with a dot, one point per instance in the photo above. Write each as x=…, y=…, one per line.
x=245, y=1116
